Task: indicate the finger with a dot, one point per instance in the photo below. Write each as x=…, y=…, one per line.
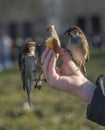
x=53, y=75
x=64, y=54
x=44, y=54
x=52, y=64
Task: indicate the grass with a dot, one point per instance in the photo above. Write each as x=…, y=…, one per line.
x=51, y=109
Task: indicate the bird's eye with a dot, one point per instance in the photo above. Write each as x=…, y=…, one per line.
x=78, y=33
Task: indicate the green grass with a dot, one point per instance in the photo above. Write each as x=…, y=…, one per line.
x=51, y=109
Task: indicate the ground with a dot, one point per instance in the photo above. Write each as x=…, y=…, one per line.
x=51, y=109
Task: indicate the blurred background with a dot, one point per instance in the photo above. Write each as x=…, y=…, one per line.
x=28, y=19
x=20, y=20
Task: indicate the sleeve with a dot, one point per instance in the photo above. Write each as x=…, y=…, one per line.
x=96, y=109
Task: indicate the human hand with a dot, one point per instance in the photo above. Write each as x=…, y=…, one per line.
x=68, y=77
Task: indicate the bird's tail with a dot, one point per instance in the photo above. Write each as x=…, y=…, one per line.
x=83, y=70
x=28, y=89
x=29, y=102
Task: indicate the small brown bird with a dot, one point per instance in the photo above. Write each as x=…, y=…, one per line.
x=78, y=47
x=53, y=41
x=27, y=64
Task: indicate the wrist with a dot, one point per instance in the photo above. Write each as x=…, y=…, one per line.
x=86, y=91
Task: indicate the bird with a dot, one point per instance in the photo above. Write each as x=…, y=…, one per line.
x=28, y=66
x=78, y=47
x=53, y=41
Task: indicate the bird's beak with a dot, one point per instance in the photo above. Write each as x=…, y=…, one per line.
x=49, y=29
x=67, y=31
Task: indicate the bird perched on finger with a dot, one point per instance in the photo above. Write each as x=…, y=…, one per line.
x=78, y=47
x=28, y=66
x=53, y=40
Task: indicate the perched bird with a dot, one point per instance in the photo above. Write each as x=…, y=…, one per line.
x=28, y=66
x=53, y=40
x=78, y=47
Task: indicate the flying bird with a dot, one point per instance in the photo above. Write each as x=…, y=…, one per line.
x=28, y=66
x=78, y=47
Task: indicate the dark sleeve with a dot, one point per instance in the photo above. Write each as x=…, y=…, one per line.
x=96, y=109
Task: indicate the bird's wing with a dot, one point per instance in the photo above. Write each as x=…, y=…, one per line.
x=21, y=63
x=85, y=48
x=88, y=52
